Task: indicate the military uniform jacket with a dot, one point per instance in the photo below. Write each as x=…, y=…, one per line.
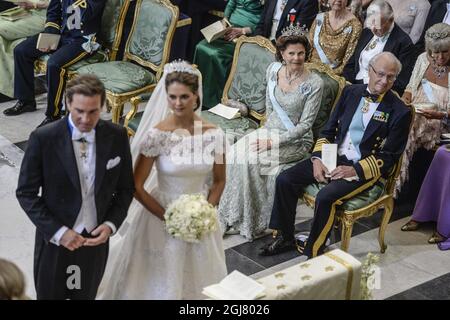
x=74, y=18
x=384, y=138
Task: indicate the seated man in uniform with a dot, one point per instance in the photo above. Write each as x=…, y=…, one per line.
x=77, y=21
x=370, y=125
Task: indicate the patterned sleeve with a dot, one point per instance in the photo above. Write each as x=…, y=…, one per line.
x=356, y=33
x=152, y=144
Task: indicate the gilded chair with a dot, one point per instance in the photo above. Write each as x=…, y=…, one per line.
x=365, y=204
x=146, y=52
x=109, y=38
x=246, y=84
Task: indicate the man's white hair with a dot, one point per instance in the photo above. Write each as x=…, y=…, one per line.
x=389, y=55
x=382, y=8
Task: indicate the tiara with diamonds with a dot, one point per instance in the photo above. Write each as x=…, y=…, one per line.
x=294, y=30
x=180, y=66
x=437, y=35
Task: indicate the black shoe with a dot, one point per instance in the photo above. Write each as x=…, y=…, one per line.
x=48, y=120
x=20, y=107
x=279, y=245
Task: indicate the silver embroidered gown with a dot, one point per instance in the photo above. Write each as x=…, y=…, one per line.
x=246, y=202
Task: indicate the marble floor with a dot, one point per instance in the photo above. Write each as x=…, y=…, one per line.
x=410, y=268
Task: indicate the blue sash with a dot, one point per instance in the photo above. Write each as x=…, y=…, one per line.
x=276, y=106
x=356, y=129
x=319, y=49
x=428, y=90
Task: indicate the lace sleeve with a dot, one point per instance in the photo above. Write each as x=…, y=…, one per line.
x=152, y=145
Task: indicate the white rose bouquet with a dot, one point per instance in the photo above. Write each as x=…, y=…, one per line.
x=190, y=217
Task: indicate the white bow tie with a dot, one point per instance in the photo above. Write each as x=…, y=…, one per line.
x=88, y=136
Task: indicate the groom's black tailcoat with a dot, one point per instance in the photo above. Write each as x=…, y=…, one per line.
x=49, y=192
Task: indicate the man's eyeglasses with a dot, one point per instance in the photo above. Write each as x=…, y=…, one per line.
x=381, y=75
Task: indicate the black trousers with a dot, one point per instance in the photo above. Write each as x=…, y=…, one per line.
x=289, y=187
x=4, y=5
x=61, y=274
x=25, y=54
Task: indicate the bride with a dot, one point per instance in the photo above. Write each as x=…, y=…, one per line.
x=176, y=153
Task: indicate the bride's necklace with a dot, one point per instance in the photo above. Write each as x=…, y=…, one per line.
x=291, y=79
x=439, y=71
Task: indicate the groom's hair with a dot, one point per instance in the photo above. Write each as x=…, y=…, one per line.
x=87, y=85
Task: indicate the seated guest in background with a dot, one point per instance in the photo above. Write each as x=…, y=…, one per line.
x=198, y=10
x=439, y=12
x=381, y=34
x=365, y=116
x=429, y=83
x=278, y=14
x=293, y=99
x=77, y=21
x=214, y=59
x=334, y=35
x=433, y=202
x=12, y=282
x=11, y=34
x=411, y=16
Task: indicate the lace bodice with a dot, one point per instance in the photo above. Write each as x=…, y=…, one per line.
x=184, y=164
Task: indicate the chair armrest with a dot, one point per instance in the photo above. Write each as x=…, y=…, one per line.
x=135, y=101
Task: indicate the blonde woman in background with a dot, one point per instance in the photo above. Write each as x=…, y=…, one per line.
x=334, y=35
x=12, y=282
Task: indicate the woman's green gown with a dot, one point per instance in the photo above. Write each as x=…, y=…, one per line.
x=214, y=59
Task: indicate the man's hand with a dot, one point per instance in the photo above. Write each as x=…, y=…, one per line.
x=261, y=145
x=319, y=171
x=432, y=114
x=44, y=49
x=342, y=172
x=27, y=5
x=102, y=232
x=72, y=240
x=407, y=97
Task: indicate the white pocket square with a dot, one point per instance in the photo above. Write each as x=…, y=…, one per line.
x=112, y=163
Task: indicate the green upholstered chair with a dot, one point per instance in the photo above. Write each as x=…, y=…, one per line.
x=247, y=84
x=364, y=204
x=109, y=38
x=146, y=52
x=332, y=89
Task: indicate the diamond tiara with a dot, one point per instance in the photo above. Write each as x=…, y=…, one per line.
x=180, y=66
x=294, y=30
x=437, y=35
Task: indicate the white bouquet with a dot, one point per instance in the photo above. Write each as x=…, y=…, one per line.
x=190, y=217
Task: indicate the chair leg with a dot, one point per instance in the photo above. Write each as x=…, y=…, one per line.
x=346, y=232
x=117, y=110
x=388, y=208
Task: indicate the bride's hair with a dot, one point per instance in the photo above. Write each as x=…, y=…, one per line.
x=188, y=79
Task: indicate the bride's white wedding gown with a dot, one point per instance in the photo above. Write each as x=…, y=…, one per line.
x=145, y=262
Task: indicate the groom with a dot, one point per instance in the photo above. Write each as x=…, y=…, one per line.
x=75, y=184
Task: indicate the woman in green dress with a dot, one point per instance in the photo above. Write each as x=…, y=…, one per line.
x=11, y=34
x=214, y=59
